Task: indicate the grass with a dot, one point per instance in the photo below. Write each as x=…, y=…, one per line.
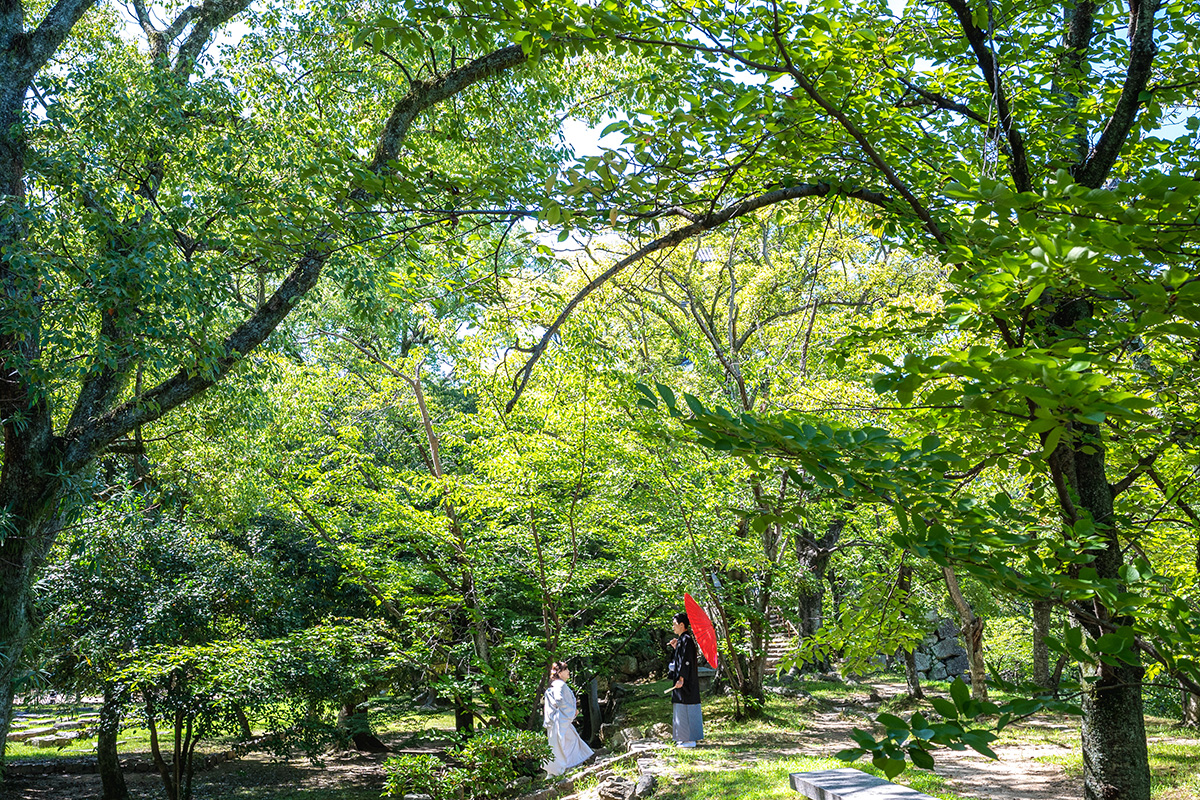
x=742, y=766
x=1174, y=763
x=133, y=741
x=394, y=716
x=703, y=777
x=390, y=717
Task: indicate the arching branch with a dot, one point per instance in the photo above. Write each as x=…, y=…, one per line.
x=700, y=225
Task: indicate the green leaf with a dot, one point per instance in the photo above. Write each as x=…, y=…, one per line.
x=920, y=758
x=944, y=707
x=960, y=692
x=667, y=395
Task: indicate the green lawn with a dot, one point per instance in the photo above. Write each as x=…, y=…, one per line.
x=389, y=717
x=706, y=774
x=1174, y=761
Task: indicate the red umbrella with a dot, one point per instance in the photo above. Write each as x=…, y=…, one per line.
x=702, y=629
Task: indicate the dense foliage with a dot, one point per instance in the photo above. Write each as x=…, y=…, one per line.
x=303, y=401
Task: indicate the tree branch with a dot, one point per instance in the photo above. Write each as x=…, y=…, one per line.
x=1142, y=50
x=943, y=102
x=701, y=225
x=49, y=35
x=1018, y=164
x=209, y=15
x=87, y=439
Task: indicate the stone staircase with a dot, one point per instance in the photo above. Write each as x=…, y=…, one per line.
x=783, y=638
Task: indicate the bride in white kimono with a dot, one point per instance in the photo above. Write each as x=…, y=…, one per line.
x=559, y=709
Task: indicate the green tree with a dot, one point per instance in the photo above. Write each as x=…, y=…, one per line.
x=163, y=211
x=1067, y=222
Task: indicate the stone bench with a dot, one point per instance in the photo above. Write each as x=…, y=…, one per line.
x=850, y=784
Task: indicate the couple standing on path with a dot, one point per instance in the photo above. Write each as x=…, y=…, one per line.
x=560, y=708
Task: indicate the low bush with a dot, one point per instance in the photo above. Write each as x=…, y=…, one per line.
x=489, y=764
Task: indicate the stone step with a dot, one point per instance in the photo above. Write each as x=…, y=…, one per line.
x=29, y=733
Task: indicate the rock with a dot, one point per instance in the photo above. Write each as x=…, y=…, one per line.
x=616, y=788
x=607, y=731
x=956, y=665
x=70, y=726
x=628, y=666
x=938, y=673
x=827, y=677
x=705, y=676
x=660, y=730
x=645, y=785
x=59, y=740
x=625, y=737
x=947, y=648
x=922, y=661
x=29, y=733
x=947, y=629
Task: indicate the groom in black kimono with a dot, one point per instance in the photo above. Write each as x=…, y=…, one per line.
x=687, y=723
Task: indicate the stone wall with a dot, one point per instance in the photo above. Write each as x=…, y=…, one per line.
x=939, y=656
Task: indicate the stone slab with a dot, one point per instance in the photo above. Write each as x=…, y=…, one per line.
x=29, y=733
x=53, y=741
x=850, y=784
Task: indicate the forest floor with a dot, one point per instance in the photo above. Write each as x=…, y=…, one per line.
x=738, y=760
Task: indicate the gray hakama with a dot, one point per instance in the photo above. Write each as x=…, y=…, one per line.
x=687, y=723
x=685, y=701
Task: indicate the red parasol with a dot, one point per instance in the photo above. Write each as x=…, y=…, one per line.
x=702, y=629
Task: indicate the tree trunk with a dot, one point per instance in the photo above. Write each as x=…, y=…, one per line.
x=1191, y=709
x=911, y=677
x=245, y=731
x=812, y=560
x=21, y=553
x=972, y=634
x=354, y=720
x=165, y=770
x=1041, y=653
x=593, y=704
x=1115, y=760
x=112, y=780
x=756, y=663
x=6, y=711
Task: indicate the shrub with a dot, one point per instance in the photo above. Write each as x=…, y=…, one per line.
x=491, y=760
x=411, y=774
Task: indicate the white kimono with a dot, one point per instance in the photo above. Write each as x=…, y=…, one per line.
x=568, y=749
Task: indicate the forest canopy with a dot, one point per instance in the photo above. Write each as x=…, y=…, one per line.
x=320, y=334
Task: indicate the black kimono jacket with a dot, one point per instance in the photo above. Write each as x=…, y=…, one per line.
x=684, y=664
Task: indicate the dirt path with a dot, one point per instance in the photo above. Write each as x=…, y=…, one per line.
x=1016, y=775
